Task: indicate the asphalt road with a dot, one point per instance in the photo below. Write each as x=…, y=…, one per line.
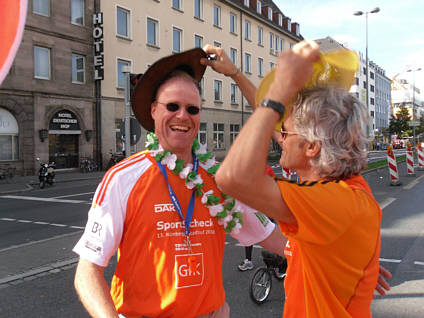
x=39, y=228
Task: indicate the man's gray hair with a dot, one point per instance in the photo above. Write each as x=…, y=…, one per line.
x=338, y=122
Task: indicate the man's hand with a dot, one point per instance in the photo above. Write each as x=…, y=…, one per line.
x=293, y=69
x=382, y=284
x=222, y=63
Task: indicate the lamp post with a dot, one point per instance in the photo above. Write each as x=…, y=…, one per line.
x=413, y=101
x=358, y=13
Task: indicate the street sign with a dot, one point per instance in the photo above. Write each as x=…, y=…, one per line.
x=413, y=123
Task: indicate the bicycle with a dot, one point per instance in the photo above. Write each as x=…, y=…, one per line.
x=261, y=281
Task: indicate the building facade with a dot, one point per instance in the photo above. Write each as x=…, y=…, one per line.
x=47, y=107
x=137, y=33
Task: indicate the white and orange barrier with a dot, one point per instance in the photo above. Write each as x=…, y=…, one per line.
x=410, y=160
x=420, y=154
x=393, y=171
x=286, y=173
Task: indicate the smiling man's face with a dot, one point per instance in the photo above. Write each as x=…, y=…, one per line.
x=176, y=130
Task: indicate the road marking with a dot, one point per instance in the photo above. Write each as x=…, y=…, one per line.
x=386, y=202
x=419, y=263
x=42, y=223
x=413, y=183
x=41, y=199
x=73, y=195
x=389, y=260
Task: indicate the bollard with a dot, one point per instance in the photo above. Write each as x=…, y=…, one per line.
x=410, y=160
x=391, y=161
x=420, y=154
x=286, y=173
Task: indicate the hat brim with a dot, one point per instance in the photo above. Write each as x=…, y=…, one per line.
x=146, y=87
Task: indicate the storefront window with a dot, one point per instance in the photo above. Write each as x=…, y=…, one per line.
x=9, y=136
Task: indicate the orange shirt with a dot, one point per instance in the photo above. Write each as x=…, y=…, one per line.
x=333, y=251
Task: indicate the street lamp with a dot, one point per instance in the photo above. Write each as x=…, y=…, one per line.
x=413, y=99
x=358, y=13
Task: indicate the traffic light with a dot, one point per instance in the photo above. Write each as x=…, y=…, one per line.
x=133, y=81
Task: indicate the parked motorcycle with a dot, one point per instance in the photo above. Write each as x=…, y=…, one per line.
x=46, y=173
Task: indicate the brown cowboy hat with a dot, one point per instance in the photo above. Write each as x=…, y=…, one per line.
x=146, y=87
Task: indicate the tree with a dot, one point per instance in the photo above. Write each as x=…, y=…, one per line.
x=399, y=123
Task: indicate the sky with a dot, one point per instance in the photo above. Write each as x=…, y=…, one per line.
x=395, y=34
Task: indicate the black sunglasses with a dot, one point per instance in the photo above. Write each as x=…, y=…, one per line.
x=173, y=107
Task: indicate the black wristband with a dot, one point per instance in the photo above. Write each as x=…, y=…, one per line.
x=278, y=107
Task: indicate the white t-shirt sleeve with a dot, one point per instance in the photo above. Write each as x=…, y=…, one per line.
x=256, y=226
x=104, y=228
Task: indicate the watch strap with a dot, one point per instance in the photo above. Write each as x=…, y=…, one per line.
x=277, y=106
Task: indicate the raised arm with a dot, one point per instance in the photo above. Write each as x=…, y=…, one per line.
x=222, y=64
x=241, y=173
x=93, y=290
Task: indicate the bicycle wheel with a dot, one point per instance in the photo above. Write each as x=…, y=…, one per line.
x=260, y=285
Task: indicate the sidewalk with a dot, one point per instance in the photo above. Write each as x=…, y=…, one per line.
x=19, y=184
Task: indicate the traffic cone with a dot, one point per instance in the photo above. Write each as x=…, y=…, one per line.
x=391, y=160
x=410, y=160
x=420, y=153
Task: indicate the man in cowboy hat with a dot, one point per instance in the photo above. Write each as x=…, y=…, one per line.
x=170, y=241
x=331, y=218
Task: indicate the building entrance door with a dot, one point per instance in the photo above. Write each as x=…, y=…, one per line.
x=63, y=150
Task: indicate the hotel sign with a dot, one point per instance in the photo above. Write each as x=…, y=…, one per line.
x=98, y=46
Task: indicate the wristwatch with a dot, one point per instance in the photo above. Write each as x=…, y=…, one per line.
x=278, y=107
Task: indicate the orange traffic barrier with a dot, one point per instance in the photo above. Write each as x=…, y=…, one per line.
x=410, y=160
x=393, y=171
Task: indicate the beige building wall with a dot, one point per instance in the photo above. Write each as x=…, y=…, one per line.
x=140, y=54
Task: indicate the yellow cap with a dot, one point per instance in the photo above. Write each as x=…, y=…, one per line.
x=336, y=67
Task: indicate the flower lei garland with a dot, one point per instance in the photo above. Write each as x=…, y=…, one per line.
x=224, y=208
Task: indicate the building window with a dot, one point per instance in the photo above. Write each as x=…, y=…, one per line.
x=246, y=3
x=281, y=45
x=77, y=12
x=260, y=67
x=372, y=101
x=216, y=15
x=233, y=56
x=277, y=42
x=233, y=89
x=269, y=13
x=202, y=135
x=217, y=85
x=234, y=131
x=247, y=59
x=122, y=22
x=260, y=36
x=233, y=23
x=245, y=101
x=78, y=68
x=41, y=62
x=9, y=136
x=271, y=65
x=372, y=113
x=176, y=4
x=365, y=85
x=364, y=70
x=202, y=88
x=356, y=81
x=247, y=30
x=216, y=43
x=152, y=32
x=198, y=9
x=372, y=88
x=218, y=136
x=41, y=7
x=280, y=20
x=372, y=75
x=176, y=40
x=258, y=7
x=121, y=75
x=198, y=41
x=271, y=42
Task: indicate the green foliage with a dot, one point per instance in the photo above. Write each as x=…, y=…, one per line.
x=399, y=124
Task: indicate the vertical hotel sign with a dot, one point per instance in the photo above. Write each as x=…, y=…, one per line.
x=98, y=46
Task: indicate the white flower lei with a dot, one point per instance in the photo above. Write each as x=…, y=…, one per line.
x=224, y=207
